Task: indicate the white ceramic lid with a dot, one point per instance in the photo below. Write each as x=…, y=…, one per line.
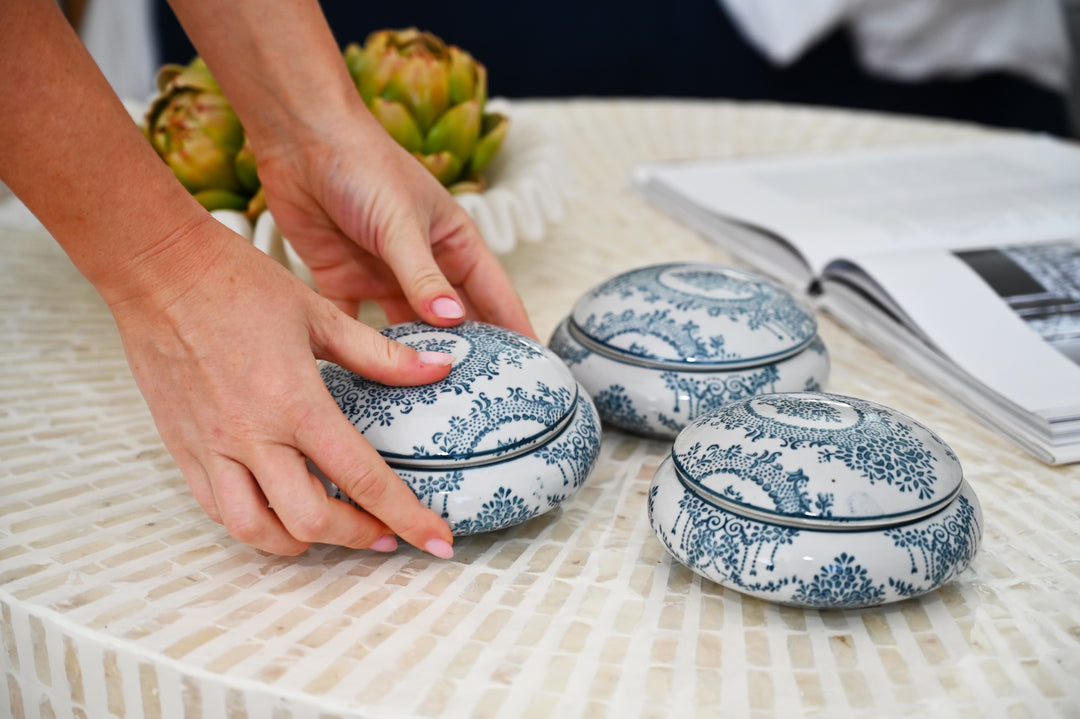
x=818, y=460
x=692, y=315
x=505, y=395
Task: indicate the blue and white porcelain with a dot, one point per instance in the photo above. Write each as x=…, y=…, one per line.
x=507, y=435
x=658, y=346
x=815, y=500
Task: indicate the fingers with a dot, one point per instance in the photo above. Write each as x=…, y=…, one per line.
x=368, y=353
x=288, y=509
x=493, y=296
x=198, y=482
x=244, y=510
x=352, y=464
x=305, y=510
x=488, y=292
x=425, y=287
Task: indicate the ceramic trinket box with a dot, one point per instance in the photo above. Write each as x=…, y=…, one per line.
x=661, y=345
x=507, y=435
x=815, y=500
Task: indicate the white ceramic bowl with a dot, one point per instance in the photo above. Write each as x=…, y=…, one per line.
x=658, y=346
x=506, y=436
x=815, y=500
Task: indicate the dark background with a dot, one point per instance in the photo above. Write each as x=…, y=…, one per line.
x=678, y=48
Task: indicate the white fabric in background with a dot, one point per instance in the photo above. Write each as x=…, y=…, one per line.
x=121, y=38
x=918, y=39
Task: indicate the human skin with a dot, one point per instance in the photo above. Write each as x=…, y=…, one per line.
x=221, y=340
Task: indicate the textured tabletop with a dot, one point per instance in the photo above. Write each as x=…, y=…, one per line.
x=119, y=598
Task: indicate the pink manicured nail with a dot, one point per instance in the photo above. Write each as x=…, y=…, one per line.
x=440, y=548
x=448, y=308
x=437, y=359
x=385, y=543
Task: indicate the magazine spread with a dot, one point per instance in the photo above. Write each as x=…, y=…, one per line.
x=960, y=261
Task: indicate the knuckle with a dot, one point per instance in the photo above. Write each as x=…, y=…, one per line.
x=212, y=511
x=428, y=280
x=411, y=527
x=291, y=550
x=362, y=538
x=311, y=526
x=366, y=486
x=244, y=528
x=390, y=350
x=386, y=352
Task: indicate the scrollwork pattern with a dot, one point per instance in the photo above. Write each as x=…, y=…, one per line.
x=711, y=291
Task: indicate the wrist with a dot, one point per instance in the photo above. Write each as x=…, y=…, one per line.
x=283, y=75
x=170, y=260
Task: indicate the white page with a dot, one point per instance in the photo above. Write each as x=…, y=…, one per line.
x=958, y=195
x=975, y=328
x=1056, y=444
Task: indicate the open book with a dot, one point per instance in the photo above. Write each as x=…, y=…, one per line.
x=961, y=261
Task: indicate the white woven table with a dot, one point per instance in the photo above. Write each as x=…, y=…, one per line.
x=118, y=598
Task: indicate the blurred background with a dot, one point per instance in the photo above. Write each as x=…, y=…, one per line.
x=1005, y=63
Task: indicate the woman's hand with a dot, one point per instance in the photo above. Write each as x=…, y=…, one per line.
x=373, y=224
x=224, y=351
x=221, y=339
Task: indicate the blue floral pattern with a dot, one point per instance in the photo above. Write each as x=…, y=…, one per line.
x=507, y=435
x=696, y=394
x=743, y=554
x=617, y=407
x=785, y=488
x=662, y=402
x=514, y=406
x=877, y=446
x=843, y=583
x=816, y=500
x=677, y=306
x=503, y=510
x=552, y=474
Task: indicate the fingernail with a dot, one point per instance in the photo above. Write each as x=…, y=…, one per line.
x=385, y=543
x=438, y=359
x=448, y=308
x=440, y=548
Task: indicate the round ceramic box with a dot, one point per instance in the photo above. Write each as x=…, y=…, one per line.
x=506, y=436
x=815, y=500
x=659, y=346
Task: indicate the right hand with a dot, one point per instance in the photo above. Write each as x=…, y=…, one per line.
x=224, y=350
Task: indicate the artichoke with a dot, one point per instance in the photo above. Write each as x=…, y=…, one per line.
x=430, y=97
x=196, y=132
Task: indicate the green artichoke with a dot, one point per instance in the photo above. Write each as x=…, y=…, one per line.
x=430, y=97
x=195, y=131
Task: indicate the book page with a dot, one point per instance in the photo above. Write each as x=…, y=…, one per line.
x=1009, y=315
x=969, y=194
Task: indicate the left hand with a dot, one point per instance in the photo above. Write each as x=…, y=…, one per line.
x=371, y=223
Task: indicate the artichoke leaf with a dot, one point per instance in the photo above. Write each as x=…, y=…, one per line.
x=462, y=75
x=396, y=120
x=461, y=187
x=201, y=164
x=494, y=129
x=246, y=169
x=221, y=200
x=443, y=165
x=409, y=77
x=375, y=74
x=256, y=205
x=421, y=84
x=457, y=131
x=481, y=85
